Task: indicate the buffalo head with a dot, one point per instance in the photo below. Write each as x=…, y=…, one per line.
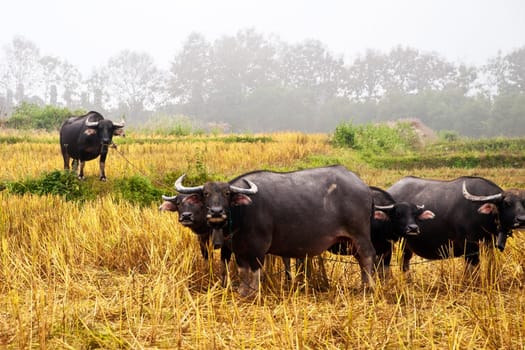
x=508, y=206
x=403, y=217
x=217, y=198
x=192, y=213
x=104, y=129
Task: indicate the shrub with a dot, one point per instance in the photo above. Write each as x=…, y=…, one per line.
x=62, y=183
x=375, y=138
x=31, y=116
x=137, y=190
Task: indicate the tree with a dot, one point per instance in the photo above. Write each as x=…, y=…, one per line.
x=411, y=72
x=22, y=70
x=366, y=77
x=97, y=95
x=190, y=75
x=50, y=78
x=310, y=66
x=238, y=66
x=135, y=83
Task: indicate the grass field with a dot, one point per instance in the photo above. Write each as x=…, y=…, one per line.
x=107, y=273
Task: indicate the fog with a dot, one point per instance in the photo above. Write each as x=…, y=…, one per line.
x=272, y=65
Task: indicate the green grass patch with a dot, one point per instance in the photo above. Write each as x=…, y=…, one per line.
x=138, y=190
x=61, y=183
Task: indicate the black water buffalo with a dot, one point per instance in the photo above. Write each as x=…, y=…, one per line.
x=86, y=137
x=192, y=214
x=292, y=215
x=469, y=210
x=391, y=221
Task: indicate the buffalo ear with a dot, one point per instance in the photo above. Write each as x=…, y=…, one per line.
x=168, y=205
x=488, y=208
x=241, y=199
x=381, y=215
x=193, y=199
x=119, y=132
x=427, y=214
x=90, y=131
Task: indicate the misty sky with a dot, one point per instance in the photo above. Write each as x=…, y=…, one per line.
x=88, y=33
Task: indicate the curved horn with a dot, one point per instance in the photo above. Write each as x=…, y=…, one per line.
x=180, y=188
x=168, y=198
x=384, y=207
x=253, y=188
x=420, y=206
x=91, y=124
x=474, y=198
x=119, y=125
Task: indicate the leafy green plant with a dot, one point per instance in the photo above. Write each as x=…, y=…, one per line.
x=376, y=138
x=32, y=116
x=62, y=183
x=137, y=190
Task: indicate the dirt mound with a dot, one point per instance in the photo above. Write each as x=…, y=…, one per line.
x=424, y=133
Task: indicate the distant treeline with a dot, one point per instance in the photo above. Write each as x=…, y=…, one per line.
x=250, y=82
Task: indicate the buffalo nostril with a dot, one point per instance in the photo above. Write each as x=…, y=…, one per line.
x=216, y=211
x=413, y=229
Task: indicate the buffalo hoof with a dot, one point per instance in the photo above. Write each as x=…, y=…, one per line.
x=246, y=291
x=103, y=178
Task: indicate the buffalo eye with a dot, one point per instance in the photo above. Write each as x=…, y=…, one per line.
x=206, y=194
x=227, y=193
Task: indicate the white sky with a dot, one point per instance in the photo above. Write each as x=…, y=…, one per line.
x=88, y=33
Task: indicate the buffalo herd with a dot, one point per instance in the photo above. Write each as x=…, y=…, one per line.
x=304, y=213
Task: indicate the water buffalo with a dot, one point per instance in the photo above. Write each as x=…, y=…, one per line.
x=463, y=219
x=391, y=221
x=192, y=214
x=86, y=137
x=292, y=215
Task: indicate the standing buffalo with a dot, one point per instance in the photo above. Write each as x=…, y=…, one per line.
x=85, y=138
x=293, y=215
x=391, y=221
x=192, y=214
x=463, y=219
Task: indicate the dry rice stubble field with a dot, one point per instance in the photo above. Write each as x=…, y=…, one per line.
x=109, y=274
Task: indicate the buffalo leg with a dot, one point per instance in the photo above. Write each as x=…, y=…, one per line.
x=203, y=245
x=382, y=263
x=66, y=160
x=226, y=255
x=81, y=169
x=407, y=255
x=74, y=165
x=365, y=256
x=471, y=258
x=249, y=275
x=103, y=166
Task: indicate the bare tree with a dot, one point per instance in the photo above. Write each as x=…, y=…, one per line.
x=135, y=83
x=22, y=70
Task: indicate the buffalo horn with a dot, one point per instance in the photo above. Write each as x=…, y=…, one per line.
x=384, y=207
x=474, y=198
x=253, y=188
x=420, y=207
x=182, y=189
x=168, y=198
x=91, y=124
x=119, y=125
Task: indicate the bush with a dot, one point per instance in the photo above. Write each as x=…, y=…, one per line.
x=62, y=183
x=376, y=138
x=448, y=135
x=137, y=190
x=31, y=116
